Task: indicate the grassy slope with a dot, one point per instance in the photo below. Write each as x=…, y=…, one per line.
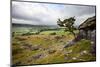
x=81, y=51
x=78, y=52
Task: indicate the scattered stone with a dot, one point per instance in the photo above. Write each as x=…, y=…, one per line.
x=92, y=42
x=65, y=58
x=83, y=52
x=69, y=43
x=74, y=58
x=26, y=46
x=81, y=59
x=51, y=51
x=37, y=56
x=35, y=48
x=68, y=52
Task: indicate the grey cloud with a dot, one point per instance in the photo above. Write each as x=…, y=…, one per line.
x=19, y=13
x=79, y=10
x=50, y=15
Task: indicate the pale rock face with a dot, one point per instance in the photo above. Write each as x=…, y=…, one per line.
x=93, y=36
x=82, y=34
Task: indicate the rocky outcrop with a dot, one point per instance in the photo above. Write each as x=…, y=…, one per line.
x=87, y=30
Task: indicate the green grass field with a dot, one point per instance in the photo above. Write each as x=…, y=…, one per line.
x=48, y=47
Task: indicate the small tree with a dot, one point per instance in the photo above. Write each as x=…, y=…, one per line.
x=68, y=24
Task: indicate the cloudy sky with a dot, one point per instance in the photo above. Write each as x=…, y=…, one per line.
x=47, y=14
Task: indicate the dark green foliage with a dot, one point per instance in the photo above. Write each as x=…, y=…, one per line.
x=68, y=24
x=30, y=33
x=13, y=33
x=53, y=33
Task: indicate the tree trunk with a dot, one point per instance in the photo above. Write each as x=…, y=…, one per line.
x=73, y=34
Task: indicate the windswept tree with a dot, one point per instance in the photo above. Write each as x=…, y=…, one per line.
x=68, y=24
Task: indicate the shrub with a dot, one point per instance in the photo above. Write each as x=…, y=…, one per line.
x=53, y=33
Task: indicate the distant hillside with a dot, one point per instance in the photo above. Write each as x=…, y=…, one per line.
x=30, y=25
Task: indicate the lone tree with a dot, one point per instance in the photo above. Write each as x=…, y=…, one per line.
x=68, y=24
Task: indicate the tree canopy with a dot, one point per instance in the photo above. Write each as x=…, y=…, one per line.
x=68, y=24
